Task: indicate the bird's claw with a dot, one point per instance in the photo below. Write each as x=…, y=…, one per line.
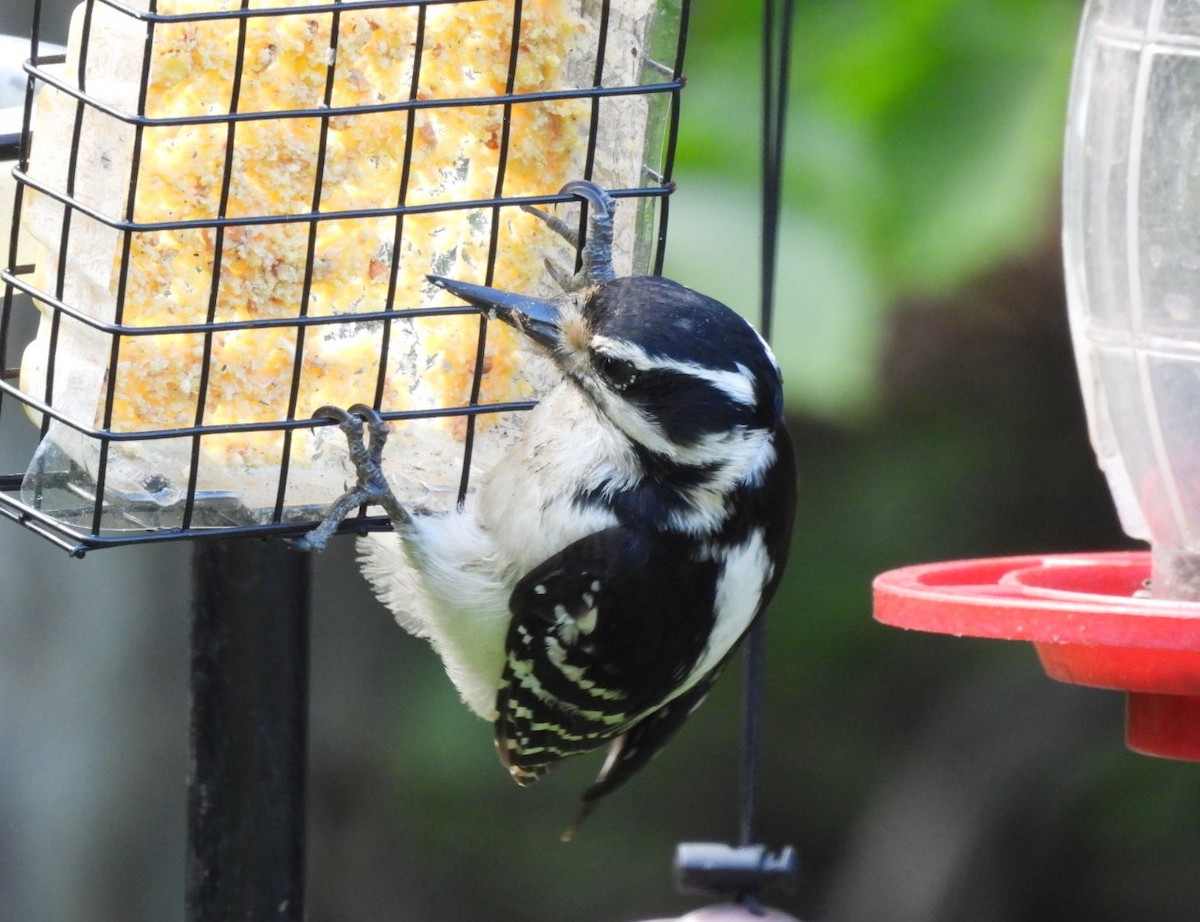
x=366, y=455
x=596, y=253
x=561, y=276
x=555, y=223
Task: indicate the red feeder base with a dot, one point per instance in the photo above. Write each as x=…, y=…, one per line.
x=1089, y=621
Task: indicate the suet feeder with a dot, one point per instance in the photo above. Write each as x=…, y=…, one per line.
x=1131, y=242
x=222, y=214
x=223, y=218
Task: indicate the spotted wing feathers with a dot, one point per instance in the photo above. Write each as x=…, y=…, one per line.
x=603, y=634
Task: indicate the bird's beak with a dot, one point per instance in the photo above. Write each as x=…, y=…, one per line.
x=537, y=319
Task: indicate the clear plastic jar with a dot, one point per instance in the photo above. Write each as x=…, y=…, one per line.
x=1131, y=238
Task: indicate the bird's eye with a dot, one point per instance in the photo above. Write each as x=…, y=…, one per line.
x=617, y=372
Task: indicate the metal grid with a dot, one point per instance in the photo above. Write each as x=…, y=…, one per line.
x=80, y=513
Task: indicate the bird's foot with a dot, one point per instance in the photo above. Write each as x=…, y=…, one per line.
x=596, y=254
x=372, y=486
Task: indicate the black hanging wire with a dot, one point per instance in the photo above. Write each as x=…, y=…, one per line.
x=743, y=870
x=776, y=54
x=777, y=42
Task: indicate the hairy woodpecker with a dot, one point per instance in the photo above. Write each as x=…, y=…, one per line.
x=591, y=589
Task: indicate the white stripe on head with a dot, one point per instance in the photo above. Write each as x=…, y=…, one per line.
x=737, y=385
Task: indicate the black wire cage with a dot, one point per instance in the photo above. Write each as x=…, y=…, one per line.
x=224, y=213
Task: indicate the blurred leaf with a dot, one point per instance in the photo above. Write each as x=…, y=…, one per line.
x=826, y=333
x=923, y=148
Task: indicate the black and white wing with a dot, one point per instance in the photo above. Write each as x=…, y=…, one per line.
x=604, y=634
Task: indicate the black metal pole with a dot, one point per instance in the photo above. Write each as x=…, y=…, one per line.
x=249, y=729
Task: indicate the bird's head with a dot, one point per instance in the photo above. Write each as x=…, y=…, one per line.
x=680, y=374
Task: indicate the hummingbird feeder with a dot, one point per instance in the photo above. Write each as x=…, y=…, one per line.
x=1131, y=242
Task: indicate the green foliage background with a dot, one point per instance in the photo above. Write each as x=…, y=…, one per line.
x=923, y=149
